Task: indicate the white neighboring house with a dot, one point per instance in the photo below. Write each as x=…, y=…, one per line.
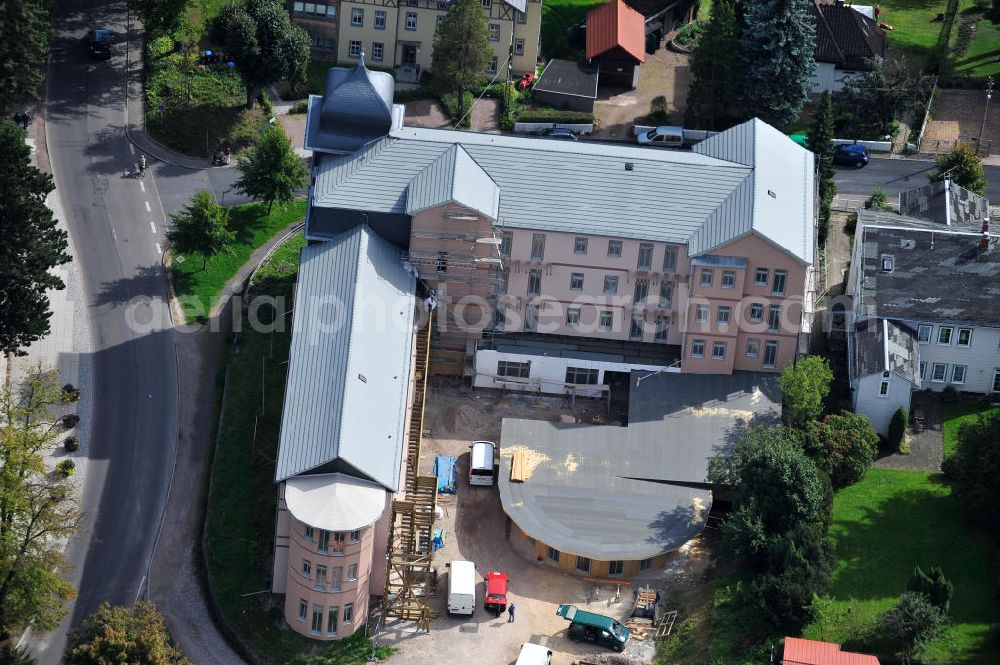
x=925, y=284
x=848, y=42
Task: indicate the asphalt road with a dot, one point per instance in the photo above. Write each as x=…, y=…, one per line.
x=895, y=175
x=117, y=227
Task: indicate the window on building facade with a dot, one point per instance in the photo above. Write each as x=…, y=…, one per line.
x=306, y=568
x=698, y=348
x=331, y=621
x=506, y=242
x=354, y=50
x=706, y=277
x=701, y=314
x=778, y=286
x=357, y=16
x=440, y=17
x=352, y=572
x=530, y=318
x=325, y=43
x=641, y=291
x=378, y=51
x=770, y=354
x=756, y=312
x=576, y=281
x=923, y=369
x=939, y=372
x=303, y=609
x=537, y=246
x=614, y=248
x=379, y=19
x=512, y=369
x=964, y=337
x=958, y=373
x=487, y=4
x=996, y=381
x=670, y=258
x=635, y=330
x=883, y=388
x=552, y=554
x=616, y=568
x=760, y=276
x=581, y=375
x=309, y=531
x=339, y=538
x=349, y=613
x=753, y=347
x=606, y=319
x=492, y=67
x=534, y=282
x=722, y=317
x=522, y=17
x=411, y=20
x=583, y=564
x=645, y=261
x=660, y=334
x=728, y=279
x=774, y=318
x=317, y=620
x=336, y=578
x=924, y=333
x=666, y=294
x=645, y=564
x=324, y=541
x=718, y=350
x=355, y=536
x=518, y=47
x=494, y=32
x=610, y=284
x=320, y=577
x=944, y=334
x=573, y=317
x=580, y=246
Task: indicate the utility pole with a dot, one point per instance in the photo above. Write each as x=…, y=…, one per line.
x=986, y=112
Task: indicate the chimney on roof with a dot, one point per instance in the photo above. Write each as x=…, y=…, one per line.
x=984, y=242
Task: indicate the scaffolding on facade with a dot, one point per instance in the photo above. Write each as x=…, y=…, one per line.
x=411, y=548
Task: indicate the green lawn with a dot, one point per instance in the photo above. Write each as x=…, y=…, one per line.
x=983, y=56
x=882, y=528
x=954, y=416
x=241, y=506
x=916, y=32
x=557, y=17
x=199, y=287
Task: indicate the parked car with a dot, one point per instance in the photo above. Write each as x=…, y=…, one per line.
x=596, y=628
x=534, y=654
x=560, y=133
x=851, y=155
x=482, y=463
x=99, y=44
x=665, y=136
x=496, y=591
x=462, y=588
x=527, y=79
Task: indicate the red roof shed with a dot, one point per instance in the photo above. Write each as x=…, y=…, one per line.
x=810, y=652
x=615, y=24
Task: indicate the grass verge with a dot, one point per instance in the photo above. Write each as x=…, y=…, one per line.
x=882, y=528
x=956, y=415
x=197, y=285
x=241, y=505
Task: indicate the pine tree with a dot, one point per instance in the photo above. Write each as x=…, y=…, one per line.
x=203, y=227
x=31, y=244
x=819, y=142
x=26, y=26
x=461, y=49
x=715, y=66
x=271, y=171
x=777, y=45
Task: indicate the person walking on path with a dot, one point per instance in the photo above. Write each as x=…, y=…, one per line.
x=25, y=119
x=510, y=613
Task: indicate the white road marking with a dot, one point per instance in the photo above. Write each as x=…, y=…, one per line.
x=142, y=186
x=158, y=250
x=114, y=235
x=131, y=147
x=148, y=209
x=152, y=226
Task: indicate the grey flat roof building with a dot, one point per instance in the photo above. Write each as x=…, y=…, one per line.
x=626, y=493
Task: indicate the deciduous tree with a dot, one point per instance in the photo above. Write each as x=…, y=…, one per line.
x=844, y=446
x=37, y=511
x=462, y=49
x=203, y=227
x=159, y=16
x=804, y=387
x=271, y=171
x=777, y=45
x=114, y=635
x=869, y=104
x=716, y=86
x=974, y=468
x=820, y=142
x=31, y=244
x=26, y=26
x=963, y=167
x=266, y=46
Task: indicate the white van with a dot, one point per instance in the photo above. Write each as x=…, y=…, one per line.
x=533, y=654
x=462, y=588
x=481, y=463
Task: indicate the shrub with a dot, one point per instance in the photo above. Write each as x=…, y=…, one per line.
x=843, y=445
x=852, y=223
x=876, y=201
x=450, y=102
x=557, y=115
x=70, y=393
x=70, y=420
x=934, y=585
x=974, y=468
x=71, y=444
x=66, y=468
x=299, y=107
x=911, y=622
x=950, y=394
x=897, y=429
x=658, y=109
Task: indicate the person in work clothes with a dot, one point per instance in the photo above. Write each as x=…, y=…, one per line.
x=510, y=613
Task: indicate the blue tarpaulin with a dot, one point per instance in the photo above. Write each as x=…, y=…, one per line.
x=445, y=469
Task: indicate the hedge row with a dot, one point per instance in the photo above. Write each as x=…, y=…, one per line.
x=556, y=115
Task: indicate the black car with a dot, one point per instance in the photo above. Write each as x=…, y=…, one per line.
x=561, y=133
x=99, y=44
x=851, y=155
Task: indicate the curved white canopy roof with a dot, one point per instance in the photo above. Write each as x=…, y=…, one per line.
x=334, y=501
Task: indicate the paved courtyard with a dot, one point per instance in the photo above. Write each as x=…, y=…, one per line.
x=959, y=114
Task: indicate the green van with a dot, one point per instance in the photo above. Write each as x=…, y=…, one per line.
x=596, y=628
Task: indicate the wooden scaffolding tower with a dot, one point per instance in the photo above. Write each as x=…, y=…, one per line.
x=411, y=547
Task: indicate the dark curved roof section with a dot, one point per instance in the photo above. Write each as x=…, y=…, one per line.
x=355, y=109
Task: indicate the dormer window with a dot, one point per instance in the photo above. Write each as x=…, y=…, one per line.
x=887, y=263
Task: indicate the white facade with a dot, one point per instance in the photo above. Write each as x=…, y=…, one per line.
x=828, y=77
x=547, y=374
x=967, y=357
x=879, y=397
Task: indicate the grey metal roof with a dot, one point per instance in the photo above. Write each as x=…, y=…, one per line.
x=519, y=5
x=947, y=204
x=599, y=491
x=938, y=275
x=345, y=397
x=566, y=77
x=881, y=346
x=454, y=177
x=356, y=108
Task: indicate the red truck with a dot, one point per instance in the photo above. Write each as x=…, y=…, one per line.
x=496, y=592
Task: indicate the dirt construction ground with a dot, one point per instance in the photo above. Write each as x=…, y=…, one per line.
x=959, y=113
x=475, y=529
